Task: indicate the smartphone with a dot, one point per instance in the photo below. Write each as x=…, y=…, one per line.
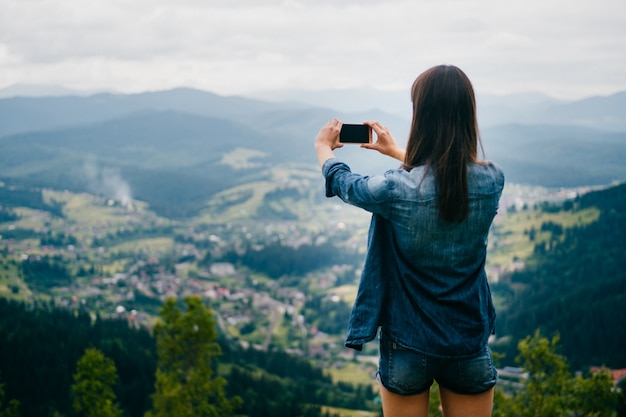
x=355, y=134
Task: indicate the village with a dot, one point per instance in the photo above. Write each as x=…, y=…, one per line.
x=126, y=266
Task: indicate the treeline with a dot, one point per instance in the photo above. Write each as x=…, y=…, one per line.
x=304, y=387
x=41, y=346
x=576, y=285
x=44, y=380
x=45, y=272
x=327, y=315
x=129, y=233
x=277, y=260
x=7, y=215
x=21, y=196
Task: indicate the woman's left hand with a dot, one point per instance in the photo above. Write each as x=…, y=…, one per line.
x=385, y=143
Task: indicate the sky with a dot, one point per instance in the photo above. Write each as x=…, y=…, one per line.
x=567, y=49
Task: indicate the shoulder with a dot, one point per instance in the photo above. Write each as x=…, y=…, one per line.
x=496, y=171
x=487, y=176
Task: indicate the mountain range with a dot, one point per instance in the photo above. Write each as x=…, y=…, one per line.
x=172, y=145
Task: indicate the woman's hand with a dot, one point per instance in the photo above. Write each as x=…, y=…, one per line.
x=329, y=135
x=327, y=140
x=385, y=143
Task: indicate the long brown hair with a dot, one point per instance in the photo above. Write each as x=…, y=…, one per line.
x=444, y=135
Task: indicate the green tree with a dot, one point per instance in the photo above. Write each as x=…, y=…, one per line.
x=594, y=396
x=621, y=398
x=92, y=390
x=549, y=381
x=11, y=409
x=550, y=390
x=186, y=347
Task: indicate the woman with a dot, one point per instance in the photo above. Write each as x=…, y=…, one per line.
x=423, y=283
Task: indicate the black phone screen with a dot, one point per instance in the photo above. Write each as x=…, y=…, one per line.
x=355, y=134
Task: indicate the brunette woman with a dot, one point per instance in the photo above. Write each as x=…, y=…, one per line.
x=423, y=289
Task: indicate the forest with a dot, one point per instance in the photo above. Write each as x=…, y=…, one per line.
x=65, y=363
x=43, y=344
x=575, y=285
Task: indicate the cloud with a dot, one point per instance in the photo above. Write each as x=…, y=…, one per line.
x=239, y=46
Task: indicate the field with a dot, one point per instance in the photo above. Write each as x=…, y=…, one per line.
x=515, y=234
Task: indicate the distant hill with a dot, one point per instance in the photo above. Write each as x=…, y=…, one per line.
x=599, y=112
x=576, y=286
x=21, y=114
x=172, y=160
x=556, y=155
x=167, y=147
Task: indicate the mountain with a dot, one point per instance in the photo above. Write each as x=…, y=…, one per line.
x=556, y=156
x=166, y=147
x=599, y=112
x=171, y=147
x=345, y=100
x=20, y=114
x=172, y=160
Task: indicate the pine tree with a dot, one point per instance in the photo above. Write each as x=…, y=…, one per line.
x=186, y=347
x=94, y=380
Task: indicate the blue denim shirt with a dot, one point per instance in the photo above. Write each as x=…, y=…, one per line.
x=424, y=278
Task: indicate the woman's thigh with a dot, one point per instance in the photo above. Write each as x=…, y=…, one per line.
x=466, y=405
x=396, y=405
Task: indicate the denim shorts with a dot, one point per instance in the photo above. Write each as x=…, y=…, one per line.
x=407, y=372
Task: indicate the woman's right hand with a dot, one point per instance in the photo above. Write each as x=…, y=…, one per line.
x=327, y=140
x=385, y=143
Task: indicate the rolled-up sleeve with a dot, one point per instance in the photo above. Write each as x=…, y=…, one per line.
x=368, y=192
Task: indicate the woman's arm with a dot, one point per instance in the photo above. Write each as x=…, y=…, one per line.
x=354, y=189
x=327, y=140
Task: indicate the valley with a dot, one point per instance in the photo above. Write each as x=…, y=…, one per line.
x=278, y=263
x=110, y=204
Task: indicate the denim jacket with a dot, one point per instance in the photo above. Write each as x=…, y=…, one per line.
x=424, y=278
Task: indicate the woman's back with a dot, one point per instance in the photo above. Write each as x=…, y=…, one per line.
x=445, y=248
x=426, y=273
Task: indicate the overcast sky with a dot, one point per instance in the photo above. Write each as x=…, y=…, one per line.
x=565, y=48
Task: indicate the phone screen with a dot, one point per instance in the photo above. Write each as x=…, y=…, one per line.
x=355, y=134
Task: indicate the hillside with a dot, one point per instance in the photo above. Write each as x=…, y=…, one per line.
x=177, y=149
x=575, y=283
